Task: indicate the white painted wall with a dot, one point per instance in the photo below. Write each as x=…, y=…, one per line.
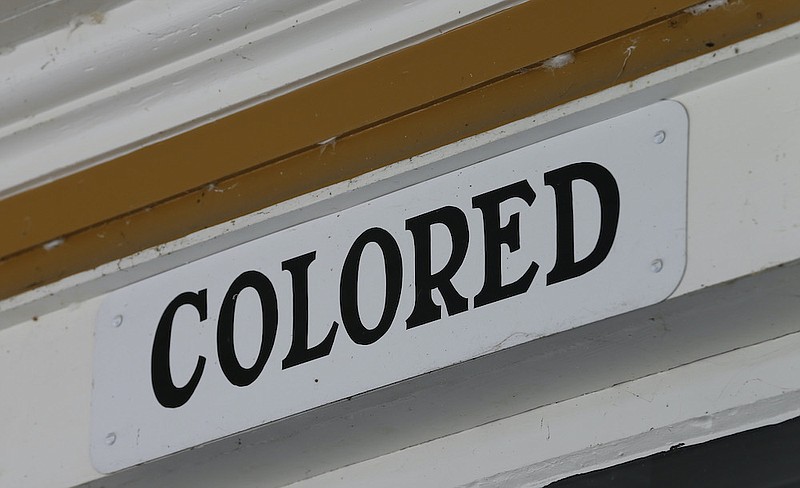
x=744, y=217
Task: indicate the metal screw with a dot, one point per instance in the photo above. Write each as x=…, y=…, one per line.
x=659, y=137
x=116, y=321
x=111, y=439
x=656, y=266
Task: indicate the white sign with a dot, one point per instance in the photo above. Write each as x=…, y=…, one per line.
x=568, y=231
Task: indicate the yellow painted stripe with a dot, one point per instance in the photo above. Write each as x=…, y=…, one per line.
x=464, y=82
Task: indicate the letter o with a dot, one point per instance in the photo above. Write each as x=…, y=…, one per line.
x=231, y=367
x=348, y=286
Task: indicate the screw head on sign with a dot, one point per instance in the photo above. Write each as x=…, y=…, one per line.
x=656, y=266
x=111, y=439
x=116, y=321
x=659, y=137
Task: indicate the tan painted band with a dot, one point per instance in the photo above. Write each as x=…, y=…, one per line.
x=384, y=111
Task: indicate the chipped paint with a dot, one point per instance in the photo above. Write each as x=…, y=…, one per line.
x=559, y=61
x=704, y=7
x=94, y=18
x=323, y=145
x=49, y=246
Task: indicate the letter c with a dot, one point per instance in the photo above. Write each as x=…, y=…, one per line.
x=167, y=394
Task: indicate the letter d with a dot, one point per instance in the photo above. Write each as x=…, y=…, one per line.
x=603, y=181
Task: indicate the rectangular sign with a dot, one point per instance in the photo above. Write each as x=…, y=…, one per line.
x=561, y=233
